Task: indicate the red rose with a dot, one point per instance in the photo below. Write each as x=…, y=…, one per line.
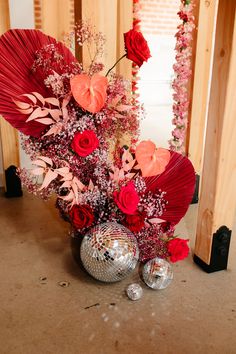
x=134, y=222
x=136, y=47
x=85, y=143
x=81, y=216
x=127, y=199
x=178, y=249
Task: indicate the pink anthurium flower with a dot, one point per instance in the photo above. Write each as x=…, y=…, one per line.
x=89, y=92
x=152, y=161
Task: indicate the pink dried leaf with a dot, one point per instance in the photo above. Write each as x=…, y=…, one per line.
x=156, y=220
x=55, y=129
x=37, y=171
x=52, y=100
x=46, y=121
x=26, y=111
x=130, y=175
x=128, y=166
x=62, y=171
x=55, y=113
x=91, y=185
x=39, y=97
x=68, y=197
x=115, y=100
x=39, y=163
x=37, y=113
x=117, y=115
x=66, y=184
x=65, y=114
x=127, y=156
x=66, y=100
x=68, y=177
x=46, y=159
x=137, y=167
x=121, y=174
x=30, y=97
x=22, y=105
x=49, y=177
x=74, y=189
x=123, y=107
x=111, y=176
x=80, y=185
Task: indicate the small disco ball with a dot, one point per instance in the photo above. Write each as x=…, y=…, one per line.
x=157, y=273
x=109, y=252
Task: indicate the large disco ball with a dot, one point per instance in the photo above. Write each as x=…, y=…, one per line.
x=109, y=252
x=157, y=273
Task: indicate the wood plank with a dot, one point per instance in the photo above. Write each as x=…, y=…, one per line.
x=56, y=17
x=218, y=193
x=196, y=10
x=103, y=15
x=124, y=24
x=77, y=19
x=8, y=135
x=202, y=76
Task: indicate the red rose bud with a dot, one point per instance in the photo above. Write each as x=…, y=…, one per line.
x=81, y=216
x=178, y=249
x=134, y=222
x=136, y=47
x=84, y=143
x=127, y=199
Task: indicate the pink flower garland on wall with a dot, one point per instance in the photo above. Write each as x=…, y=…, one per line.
x=182, y=69
x=135, y=68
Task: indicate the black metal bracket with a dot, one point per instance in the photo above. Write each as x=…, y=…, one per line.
x=219, y=251
x=13, y=183
x=196, y=191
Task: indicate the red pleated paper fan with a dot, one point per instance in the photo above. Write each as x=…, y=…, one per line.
x=18, y=50
x=178, y=181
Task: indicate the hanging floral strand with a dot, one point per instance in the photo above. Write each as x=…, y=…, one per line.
x=182, y=70
x=135, y=68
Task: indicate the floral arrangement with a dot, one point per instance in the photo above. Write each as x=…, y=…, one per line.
x=182, y=69
x=81, y=131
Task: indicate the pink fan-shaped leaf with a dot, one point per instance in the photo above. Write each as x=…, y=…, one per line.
x=152, y=161
x=178, y=182
x=89, y=92
x=18, y=52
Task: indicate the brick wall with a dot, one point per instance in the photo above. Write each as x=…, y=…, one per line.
x=159, y=17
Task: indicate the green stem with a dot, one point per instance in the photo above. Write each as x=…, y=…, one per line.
x=115, y=64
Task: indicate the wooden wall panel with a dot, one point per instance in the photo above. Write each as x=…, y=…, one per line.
x=124, y=24
x=202, y=78
x=218, y=193
x=54, y=17
x=9, y=136
x=112, y=18
x=103, y=15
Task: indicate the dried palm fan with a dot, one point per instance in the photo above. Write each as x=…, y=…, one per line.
x=19, y=50
x=178, y=181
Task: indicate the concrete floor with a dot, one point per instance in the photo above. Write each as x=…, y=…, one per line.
x=195, y=314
